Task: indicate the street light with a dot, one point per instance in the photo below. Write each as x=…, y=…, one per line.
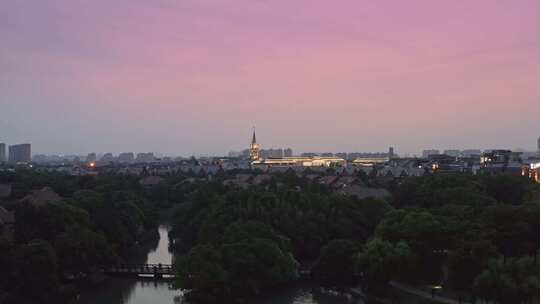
x=433, y=289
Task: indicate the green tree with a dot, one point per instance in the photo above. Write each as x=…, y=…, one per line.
x=516, y=281
x=37, y=270
x=466, y=262
x=382, y=261
x=336, y=262
x=202, y=272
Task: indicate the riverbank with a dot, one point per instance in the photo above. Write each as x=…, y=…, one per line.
x=136, y=291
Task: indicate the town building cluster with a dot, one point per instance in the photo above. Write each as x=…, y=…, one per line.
x=278, y=160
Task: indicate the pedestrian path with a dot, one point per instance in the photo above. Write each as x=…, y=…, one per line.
x=424, y=294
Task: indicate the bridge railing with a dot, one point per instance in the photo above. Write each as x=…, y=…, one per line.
x=139, y=268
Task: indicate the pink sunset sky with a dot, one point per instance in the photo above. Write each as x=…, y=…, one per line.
x=185, y=77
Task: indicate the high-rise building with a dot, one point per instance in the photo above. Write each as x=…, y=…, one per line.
x=271, y=153
x=471, y=153
x=2, y=153
x=128, y=157
x=427, y=153
x=391, y=152
x=288, y=152
x=538, y=147
x=145, y=157
x=20, y=153
x=254, y=148
x=91, y=158
x=452, y=152
x=107, y=157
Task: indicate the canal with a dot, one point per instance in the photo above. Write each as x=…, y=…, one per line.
x=130, y=291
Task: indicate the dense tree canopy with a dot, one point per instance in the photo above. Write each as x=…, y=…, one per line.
x=95, y=222
x=474, y=234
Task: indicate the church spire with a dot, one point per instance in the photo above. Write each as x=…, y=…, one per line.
x=254, y=140
x=254, y=148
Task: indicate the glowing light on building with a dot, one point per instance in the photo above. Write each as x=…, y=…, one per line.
x=302, y=161
x=316, y=161
x=532, y=171
x=370, y=161
x=254, y=149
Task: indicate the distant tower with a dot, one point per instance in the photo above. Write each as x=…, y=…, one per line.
x=3, y=157
x=538, y=147
x=254, y=149
x=391, y=152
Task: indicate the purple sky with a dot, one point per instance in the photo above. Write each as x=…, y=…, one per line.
x=193, y=76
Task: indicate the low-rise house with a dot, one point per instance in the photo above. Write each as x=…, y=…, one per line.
x=344, y=181
x=401, y=171
x=362, y=192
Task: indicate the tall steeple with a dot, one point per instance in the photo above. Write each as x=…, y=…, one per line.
x=254, y=148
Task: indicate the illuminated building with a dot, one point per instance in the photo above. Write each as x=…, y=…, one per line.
x=254, y=149
x=445, y=163
x=305, y=161
x=499, y=157
x=370, y=161
x=501, y=161
x=532, y=171
x=316, y=161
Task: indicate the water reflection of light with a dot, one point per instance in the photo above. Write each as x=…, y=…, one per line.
x=161, y=254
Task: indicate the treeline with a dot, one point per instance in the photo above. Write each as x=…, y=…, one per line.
x=96, y=222
x=242, y=243
x=478, y=236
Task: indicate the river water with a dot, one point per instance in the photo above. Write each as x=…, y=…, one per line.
x=130, y=291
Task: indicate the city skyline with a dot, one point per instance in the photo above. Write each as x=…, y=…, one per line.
x=191, y=77
x=421, y=153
